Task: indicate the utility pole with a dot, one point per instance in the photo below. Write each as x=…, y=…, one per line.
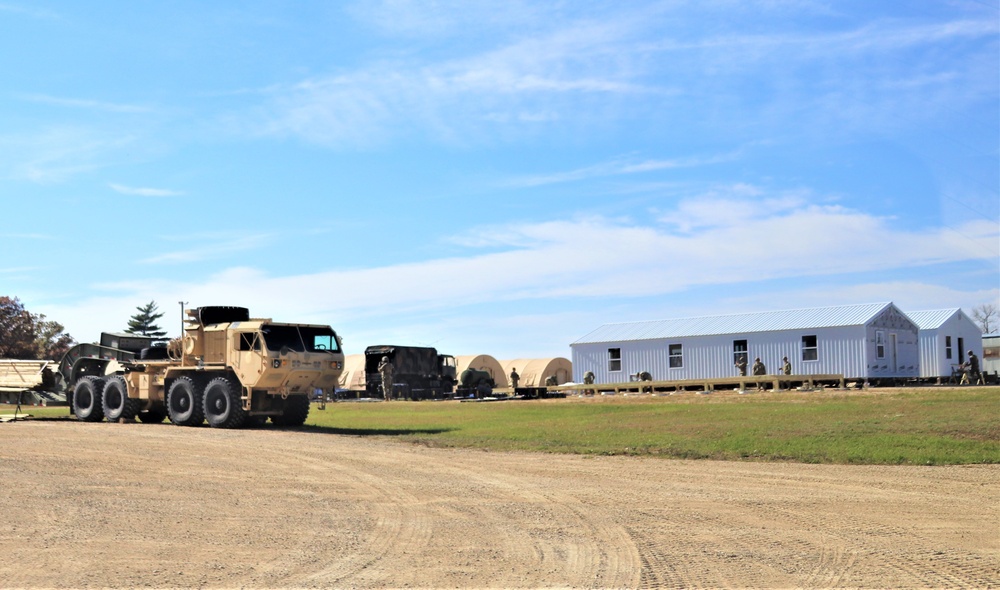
x=181, y=341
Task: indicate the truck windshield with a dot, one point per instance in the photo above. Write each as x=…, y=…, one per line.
x=300, y=338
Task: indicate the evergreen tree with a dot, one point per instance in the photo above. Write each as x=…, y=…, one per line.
x=144, y=322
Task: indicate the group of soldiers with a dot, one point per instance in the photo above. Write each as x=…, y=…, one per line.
x=759, y=369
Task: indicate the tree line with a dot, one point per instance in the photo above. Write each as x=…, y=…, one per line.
x=31, y=336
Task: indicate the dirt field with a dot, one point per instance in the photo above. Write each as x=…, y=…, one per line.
x=133, y=505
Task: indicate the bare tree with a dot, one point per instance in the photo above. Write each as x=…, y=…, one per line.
x=986, y=316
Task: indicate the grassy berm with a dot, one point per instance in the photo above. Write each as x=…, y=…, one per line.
x=918, y=426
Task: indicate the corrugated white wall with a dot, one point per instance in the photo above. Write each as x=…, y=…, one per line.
x=840, y=350
x=933, y=362
x=847, y=350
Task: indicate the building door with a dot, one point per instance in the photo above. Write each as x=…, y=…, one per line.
x=961, y=350
x=892, y=351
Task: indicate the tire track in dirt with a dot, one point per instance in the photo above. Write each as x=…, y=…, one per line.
x=123, y=506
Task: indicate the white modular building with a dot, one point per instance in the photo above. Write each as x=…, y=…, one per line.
x=946, y=337
x=870, y=341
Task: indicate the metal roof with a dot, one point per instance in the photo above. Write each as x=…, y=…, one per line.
x=744, y=323
x=932, y=319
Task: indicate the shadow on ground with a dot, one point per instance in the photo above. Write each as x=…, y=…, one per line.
x=371, y=431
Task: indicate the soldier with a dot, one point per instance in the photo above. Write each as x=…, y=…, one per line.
x=786, y=369
x=975, y=377
x=514, y=378
x=759, y=370
x=385, y=370
x=741, y=365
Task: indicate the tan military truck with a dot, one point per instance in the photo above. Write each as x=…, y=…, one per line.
x=227, y=369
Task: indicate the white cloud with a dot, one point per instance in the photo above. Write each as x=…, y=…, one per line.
x=632, y=63
x=56, y=154
x=33, y=12
x=620, y=167
x=208, y=248
x=85, y=104
x=144, y=192
x=583, y=259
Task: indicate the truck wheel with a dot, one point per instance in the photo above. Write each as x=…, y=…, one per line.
x=184, y=402
x=295, y=412
x=223, y=404
x=87, y=395
x=117, y=404
x=152, y=416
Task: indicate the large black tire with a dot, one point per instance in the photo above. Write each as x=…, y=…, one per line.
x=116, y=402
x=223, y=404
x=153, y=415
x=87, y=395
x=295, y=413
x=184, y=402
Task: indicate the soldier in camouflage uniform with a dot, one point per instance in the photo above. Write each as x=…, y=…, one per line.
x=758, y=370
x=385, y=370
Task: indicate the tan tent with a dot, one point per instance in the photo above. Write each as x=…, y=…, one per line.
x=353, y=377
x=534, y=372
x=482, y=362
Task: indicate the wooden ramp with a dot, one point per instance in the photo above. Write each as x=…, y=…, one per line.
x=748, y=383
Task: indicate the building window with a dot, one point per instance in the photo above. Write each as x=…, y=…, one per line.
x=676, y=358
x=614, y=359
x=947, y=347
x=740, y=351
x=809, y=350
x=879, y=344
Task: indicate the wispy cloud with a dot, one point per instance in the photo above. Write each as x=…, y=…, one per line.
x=638, y=63
x=208, y=249
x=58, y=153
x=30, y=11
x=620, y=167
x=28, y=236
x=144, y=192
x=593, y=258
x=84, y=104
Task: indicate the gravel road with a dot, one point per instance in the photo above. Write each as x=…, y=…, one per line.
x=137, y=505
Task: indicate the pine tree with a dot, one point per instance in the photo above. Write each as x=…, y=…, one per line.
x=144, y=322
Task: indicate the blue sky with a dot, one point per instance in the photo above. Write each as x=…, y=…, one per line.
x=496, y=177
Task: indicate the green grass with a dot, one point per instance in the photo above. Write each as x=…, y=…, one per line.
x=924, y=426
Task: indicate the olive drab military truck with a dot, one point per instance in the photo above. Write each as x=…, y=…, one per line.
x=227, y=369
x=418, y=372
